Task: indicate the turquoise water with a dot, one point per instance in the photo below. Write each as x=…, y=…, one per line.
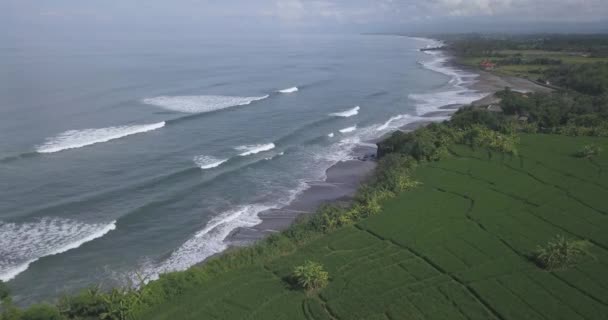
x=124, y=158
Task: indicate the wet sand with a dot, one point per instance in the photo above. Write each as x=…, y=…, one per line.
x=341, y=183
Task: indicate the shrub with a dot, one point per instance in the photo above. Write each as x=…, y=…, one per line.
x=42, y=312
x=4, y=290
x=311, y=276
x=425, y=144
x=86, y=305
x=481, y=137
x=468, y=116
x=588, y=151
x=560, y=253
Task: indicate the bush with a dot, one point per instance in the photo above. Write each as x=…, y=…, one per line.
x=588, y=151
x=560, y=253
x=311, y=276
x=86, y=305
x=5, y=292
x=481, y=137
x=466, y=117
x=42, y=312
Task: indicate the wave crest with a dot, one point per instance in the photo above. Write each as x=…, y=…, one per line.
x=348, y=113
x=208, y=241
x=200, y=104
x=253, y=149
x=289, y=90
x=349, y=129
x=23, y=243
x=459, y=94
x=79, y=138
x=207, y=162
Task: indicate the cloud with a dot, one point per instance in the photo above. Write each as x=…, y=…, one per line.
x=359, y=15
x=565, y=10
x=393, y=11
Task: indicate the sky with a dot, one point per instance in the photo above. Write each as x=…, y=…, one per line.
x=216, y=16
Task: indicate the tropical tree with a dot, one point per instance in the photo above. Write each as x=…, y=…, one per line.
x=311, y=276
x=589, y=151
x=560, y=253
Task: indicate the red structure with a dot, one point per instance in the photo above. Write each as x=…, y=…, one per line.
x=487, y=64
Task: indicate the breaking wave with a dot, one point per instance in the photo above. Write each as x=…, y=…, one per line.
x=348, y=113
x=22, y=244
x=79, y=138
x=200, y=104
x=253, y=149
x=289, y=90
x=458, y=94
x=349, y=129
x=207, y=162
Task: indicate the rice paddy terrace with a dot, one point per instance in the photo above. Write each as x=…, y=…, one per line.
x=457, y=247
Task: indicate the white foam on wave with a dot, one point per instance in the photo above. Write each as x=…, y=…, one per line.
x=389, y=121
x=253, y=149
x=349, y=129
x=331, y=135
x=212, y=238
x=289, y=90
x=208, y=241
x=21, y=244
x=79, y=138
x=429, y=102
x=200, y=104
x=458, y=94
x=348, y=113
x=207, y=162
x=275, y=156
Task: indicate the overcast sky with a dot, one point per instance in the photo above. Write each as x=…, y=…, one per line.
x=281, y=15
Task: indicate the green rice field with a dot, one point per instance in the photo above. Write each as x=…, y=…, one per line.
x=531, y=71
x=456, y=247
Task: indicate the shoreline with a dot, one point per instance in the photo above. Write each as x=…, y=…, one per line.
x=344, y=178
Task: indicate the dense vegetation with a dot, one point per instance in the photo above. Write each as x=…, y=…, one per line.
x=578, y=63
x=586, y=78
x=596, y=45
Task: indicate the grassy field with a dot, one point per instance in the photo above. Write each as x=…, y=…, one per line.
x=531, y=71
x=457, y=247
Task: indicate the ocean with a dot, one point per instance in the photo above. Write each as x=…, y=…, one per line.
x=128, y=158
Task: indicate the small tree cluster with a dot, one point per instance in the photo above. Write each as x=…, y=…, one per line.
x=311, y=276
x=481, y=137
x=560, y=253
x=589, y=151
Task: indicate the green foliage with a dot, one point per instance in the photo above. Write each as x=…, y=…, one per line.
x=589, y=151
x=393, y=175
x=5, y=292
x=311, y=276
x=481, y=137
x=560, y=253
x=468, y=116
x=562, y=113
x=585, y=78
x=87, y=305
x=42, y=312
x=425, y=144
